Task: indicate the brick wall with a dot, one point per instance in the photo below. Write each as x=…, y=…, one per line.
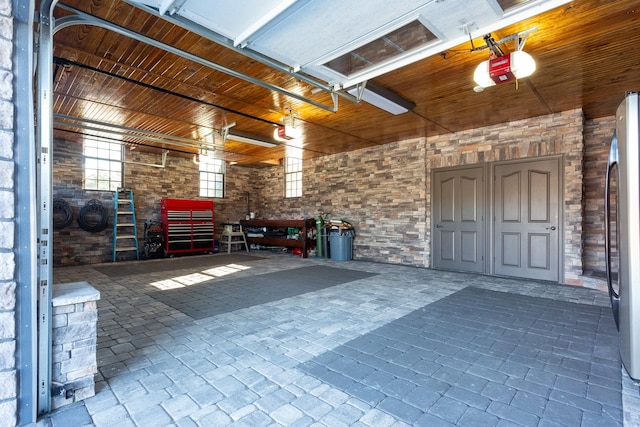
x=74, y=320
x=383, y=191
x=380, y=190
x=8, y=314
x=560, y=133
x=178, y=179
x=597, y=135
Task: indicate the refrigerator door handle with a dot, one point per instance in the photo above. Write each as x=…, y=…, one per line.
x=612, y=161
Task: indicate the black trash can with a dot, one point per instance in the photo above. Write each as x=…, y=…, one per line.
x=341, y=243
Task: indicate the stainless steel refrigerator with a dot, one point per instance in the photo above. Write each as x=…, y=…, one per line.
x=622, y=230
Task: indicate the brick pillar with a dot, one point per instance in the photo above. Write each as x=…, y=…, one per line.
x=74, y=318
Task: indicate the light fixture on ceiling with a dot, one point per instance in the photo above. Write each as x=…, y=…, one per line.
x=205, y=155
x=288, y=130
x=251, y=139
x=381, y=97
x=500, y=67
x=503, y=69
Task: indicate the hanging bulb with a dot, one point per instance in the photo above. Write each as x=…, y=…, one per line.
x=518, y=64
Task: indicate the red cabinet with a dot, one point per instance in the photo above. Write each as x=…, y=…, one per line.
x=188, y=225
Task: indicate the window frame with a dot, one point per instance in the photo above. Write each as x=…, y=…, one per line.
x=100, y=157
x=292, y=177
x=213, y=188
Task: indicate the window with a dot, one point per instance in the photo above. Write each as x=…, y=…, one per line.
x=211, y=177
x=395, y=44
x=102, y=165
x=292, y=177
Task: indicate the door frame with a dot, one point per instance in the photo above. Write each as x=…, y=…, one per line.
x=489, y=213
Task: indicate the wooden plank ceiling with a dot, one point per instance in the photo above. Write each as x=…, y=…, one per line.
x=587, y=54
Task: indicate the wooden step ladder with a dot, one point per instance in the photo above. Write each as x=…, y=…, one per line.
x=125, y=234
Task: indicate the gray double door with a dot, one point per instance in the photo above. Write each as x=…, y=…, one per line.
x=508, y=225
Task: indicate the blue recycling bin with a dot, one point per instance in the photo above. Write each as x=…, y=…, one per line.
x=341, y=244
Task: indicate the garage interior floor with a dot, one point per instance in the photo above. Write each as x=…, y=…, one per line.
x=265, y=339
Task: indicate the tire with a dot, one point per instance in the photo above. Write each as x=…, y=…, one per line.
x=93, y=217
x=62, y=214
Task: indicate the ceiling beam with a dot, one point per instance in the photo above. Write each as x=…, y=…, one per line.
x=83, y=18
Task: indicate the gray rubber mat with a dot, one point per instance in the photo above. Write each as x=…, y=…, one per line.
x=483, y=358
x=221, y=296
x=176, y=263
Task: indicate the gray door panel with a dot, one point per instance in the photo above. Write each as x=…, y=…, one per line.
x=458, y=229
x=526, y=232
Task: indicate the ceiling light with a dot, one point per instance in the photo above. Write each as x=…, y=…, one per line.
x=286, y=133
x=288, y=130
x=205, y=155
x=503, y=69
x=251, y=139
x=381, y=97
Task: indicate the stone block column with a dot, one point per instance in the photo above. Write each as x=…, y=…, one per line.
x=74, y=318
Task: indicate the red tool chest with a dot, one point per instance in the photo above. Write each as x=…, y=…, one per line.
x=188, y=225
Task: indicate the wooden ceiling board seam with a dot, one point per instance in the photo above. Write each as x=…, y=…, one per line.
x=157, y=79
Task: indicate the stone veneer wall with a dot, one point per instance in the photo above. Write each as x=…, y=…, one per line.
x=8, y=313
x=597, y=135
x=380, y=190
x=179, y=179
x=560, y=133
x=384, y=191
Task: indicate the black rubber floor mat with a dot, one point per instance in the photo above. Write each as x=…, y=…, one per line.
x=222, y=296
x=480, y=358
x=177, y=263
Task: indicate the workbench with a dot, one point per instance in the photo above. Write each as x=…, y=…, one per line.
x=304, y=225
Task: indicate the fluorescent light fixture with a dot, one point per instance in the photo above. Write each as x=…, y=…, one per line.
x=251, y=139
x=382, y=98
x=516, y=65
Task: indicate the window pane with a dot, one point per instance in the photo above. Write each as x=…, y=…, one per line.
x=104, y=153
x=91, y=174
x=102, y=165
x=91, y=151
x=293, y=177
x=90, y=164
x=104, y=185
x=212, y=178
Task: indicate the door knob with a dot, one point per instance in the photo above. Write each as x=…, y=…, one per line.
x=552, y=228
x=438, y=226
